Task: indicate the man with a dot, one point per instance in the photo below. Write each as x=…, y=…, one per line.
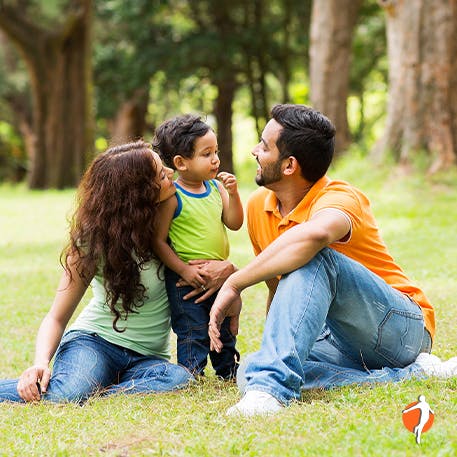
x=340, y=310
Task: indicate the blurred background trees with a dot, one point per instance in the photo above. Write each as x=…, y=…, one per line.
x=78, y=75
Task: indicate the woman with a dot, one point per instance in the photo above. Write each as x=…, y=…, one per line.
x=120, y=341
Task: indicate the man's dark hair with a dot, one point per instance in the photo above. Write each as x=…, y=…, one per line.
x=307, y=135
x=177, y=136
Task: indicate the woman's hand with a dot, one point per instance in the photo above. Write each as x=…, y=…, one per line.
x=214, y=272
x=192, y=276
x=33, y=382
x=35, y=379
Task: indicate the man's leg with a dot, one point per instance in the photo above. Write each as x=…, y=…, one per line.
x=375, y=325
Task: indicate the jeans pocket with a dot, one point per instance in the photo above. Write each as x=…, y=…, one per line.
x=400, y=336
x=71, y=335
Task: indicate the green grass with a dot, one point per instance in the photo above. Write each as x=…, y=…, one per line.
x=417, y=216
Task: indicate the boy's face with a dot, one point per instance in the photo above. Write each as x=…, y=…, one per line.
x=204, y=164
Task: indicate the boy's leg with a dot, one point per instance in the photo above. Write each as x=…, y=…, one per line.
x=225, y=363
x=372, y=323
x=189, y=321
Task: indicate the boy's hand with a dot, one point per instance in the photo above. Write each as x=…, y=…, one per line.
x=229, y=182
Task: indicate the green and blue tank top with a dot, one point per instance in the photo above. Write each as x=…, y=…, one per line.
x=197, y=230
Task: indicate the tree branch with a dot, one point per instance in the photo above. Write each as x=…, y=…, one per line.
x=16, y=26
x=73, y=19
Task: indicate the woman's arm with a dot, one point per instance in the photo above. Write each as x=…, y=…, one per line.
x=69, y=294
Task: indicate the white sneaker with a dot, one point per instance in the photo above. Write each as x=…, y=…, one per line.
x=255, y=402
x=433, y=366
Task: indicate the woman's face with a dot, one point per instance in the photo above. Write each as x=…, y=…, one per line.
x=165, y=179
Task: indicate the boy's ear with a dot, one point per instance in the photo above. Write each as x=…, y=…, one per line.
x=179, y=163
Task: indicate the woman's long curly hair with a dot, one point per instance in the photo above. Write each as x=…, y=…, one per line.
x=114, y=224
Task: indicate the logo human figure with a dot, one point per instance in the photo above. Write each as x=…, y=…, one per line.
x=424, y=415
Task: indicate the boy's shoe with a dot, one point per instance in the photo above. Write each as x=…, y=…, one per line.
x=433, y=366
x=255, y=402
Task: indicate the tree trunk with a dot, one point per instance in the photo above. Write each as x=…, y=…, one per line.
x=332, y=26
x=59, y=65
x=130, y=121
x=256, y=68
x=421, y=113
x=223, y=111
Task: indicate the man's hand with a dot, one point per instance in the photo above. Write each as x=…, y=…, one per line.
x=33, y=382
x=227, y=304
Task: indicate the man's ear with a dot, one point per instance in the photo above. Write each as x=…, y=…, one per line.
x=291, y=166
x=179, y=163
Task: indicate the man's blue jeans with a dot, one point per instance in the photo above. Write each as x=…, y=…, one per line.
x=86, y=364
x=189, y=321
x=333, y=322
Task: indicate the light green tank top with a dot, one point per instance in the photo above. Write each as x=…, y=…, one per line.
x=147, y=332
x=197, y=230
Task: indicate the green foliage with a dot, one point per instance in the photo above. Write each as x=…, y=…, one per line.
x=12, y=156
x=127, y=51
x=14, y=99
x=368, y=73
x=417, y=217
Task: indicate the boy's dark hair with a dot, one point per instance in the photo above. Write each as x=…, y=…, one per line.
x=177, y=136
x=307, y=135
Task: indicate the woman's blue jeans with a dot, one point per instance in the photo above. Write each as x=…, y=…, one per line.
x=86, y=364
x=333, y=322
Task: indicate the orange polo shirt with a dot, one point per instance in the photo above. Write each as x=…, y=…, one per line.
x=364, y=243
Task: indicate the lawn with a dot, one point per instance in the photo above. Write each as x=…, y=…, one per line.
x=417, y=216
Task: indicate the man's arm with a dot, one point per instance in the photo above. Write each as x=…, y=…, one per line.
x=290, y=251
x=294, y=248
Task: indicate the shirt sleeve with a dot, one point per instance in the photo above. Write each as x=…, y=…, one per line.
x=341, y=198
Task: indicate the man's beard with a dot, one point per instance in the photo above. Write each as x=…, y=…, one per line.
x=270, y=174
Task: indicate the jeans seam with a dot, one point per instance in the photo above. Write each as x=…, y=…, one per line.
x=304, y=310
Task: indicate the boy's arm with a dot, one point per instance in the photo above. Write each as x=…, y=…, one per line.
x=232, y=208
x=164, y=251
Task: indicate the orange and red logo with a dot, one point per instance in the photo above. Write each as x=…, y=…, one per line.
x=418, y=417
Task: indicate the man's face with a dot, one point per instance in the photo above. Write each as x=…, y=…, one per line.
x=266, y=153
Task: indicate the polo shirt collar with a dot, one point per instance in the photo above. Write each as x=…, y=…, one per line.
x=296, y=215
